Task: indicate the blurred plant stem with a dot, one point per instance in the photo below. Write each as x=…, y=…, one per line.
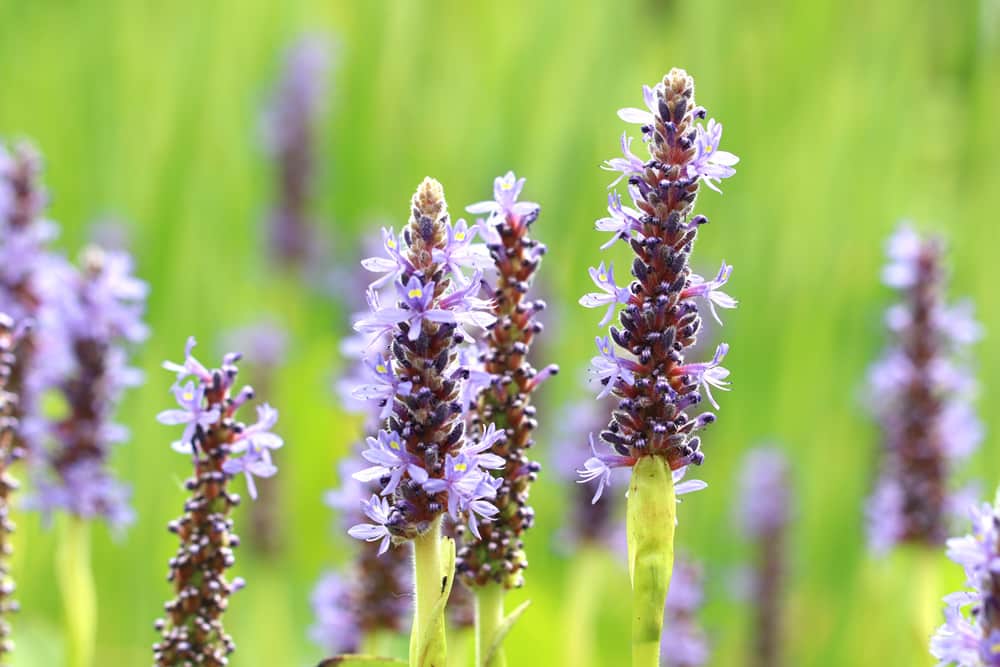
x=587, y=570
x=489, y=618
x=927, y=592
x=432, y=584
x=650, y=518
x=76, y=583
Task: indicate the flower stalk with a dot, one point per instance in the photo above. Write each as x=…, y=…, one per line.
x=10, y=336
x=432, y=584
x=79, y=593
x=641, y=363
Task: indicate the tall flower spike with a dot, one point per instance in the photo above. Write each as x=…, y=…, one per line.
x=101, y=316
x=498, y=555
x=9, y=452
x=763, y=514
x=221, y=447
x=642, y=364
x=972, y=638
x=921, y=396
x=289, y=125
x=424, y=465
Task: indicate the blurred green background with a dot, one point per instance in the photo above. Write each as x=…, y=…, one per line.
x=847, y=114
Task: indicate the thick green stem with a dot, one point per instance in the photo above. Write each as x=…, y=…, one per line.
x=489, y=618
x=428, y=646
x=650, y=525
x=581, y=606
x=76, y=583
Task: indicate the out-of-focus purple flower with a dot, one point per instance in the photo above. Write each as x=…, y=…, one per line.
x=763, y=513
x=265, y=342
x=709, y=163
x=221, y=448
x=100, y=315
x=611, y=295
x=336, y=627
x=972, y=638
x=684, y=643
x=289, y=124
x=506, y=190
x=921, y=394
x=709, y=290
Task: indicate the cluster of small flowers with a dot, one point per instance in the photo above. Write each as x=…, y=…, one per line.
x=422, y=460
x=288, y=127
x=101, y=312
x=220, y=447
x=973, y=639
x=660, y=318
x=508, y=381
x=921, y=393
x=684, y=642
x=9, y=338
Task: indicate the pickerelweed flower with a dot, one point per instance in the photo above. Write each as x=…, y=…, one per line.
x=289, y=125
x=369, y=596
x=32, y=280
x=972, y=638
x=101, y=314
x=684, y=642
x=496, y=554
x=763, y=514
x=9, y=452
x=421, y=458
x=265, y=344
x=642, y=363
x=921, y=395
x=193, y=632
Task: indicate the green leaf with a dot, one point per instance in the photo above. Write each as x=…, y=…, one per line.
x=504, y=629
x=651, y=515
x=361, y=660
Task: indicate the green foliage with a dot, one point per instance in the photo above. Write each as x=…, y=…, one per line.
x=847, y=116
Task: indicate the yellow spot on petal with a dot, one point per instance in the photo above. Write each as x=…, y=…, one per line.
x=188, y=396
x=506, y=185
x=603, y=277
x=380, y=368
x=460, y=236
x=391, y=243
x=394, y=444
x=461, y=467
x=415, y=293
x=709, y=149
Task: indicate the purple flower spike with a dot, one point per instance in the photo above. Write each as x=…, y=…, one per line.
x=10, y=338
x=422, y=463
x=921, y=394
x=221, y=447
x=610, y=295
x=970, y=636
x=641, y=361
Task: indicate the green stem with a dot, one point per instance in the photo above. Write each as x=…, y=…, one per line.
x=489, y=617
x=428, y=646
x=76, y=583
x=582, y=603
x=650, y=519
